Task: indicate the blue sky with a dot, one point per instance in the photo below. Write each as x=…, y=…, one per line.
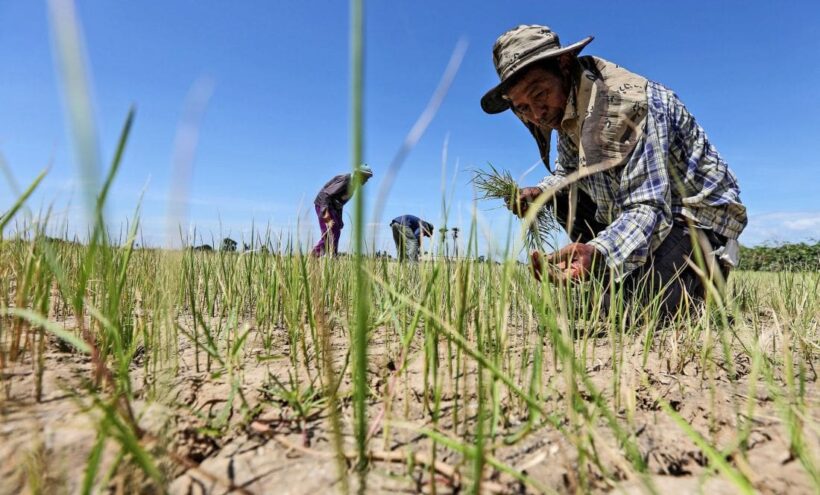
x=275, y=126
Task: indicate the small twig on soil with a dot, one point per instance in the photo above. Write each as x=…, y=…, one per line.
x=191, y=465
x=439, y=467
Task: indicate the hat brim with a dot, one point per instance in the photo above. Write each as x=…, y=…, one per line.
x=493, y=101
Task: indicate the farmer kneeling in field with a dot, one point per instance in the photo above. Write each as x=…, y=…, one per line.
x=407, y=233
x=329, y=203
x=635, y=176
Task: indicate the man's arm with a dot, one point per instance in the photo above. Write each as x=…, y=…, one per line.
x=644, y=200
x=566, y=161
x=644, y=221
x=642, y=204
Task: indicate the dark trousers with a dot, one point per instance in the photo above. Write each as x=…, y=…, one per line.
x=666, y=268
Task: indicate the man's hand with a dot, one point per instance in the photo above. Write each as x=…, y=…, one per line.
x=573, y=262
x=526, y=195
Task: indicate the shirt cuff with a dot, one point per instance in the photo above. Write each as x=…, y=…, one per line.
x=620, y=269
x=604, y=251
x=551, y=182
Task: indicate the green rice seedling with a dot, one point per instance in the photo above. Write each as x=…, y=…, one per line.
x=38, y=320
x=6, y=217
x=471, y=453
x=359, y=332
x=330, y=391
x=715, y=457
x=788, y=393
x=306, y=401
x=113, y=426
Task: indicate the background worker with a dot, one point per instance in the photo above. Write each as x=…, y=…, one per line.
x=329, y=204
x=407, y=233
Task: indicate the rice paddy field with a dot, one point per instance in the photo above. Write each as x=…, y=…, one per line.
x=133, y=370
x=129, y=370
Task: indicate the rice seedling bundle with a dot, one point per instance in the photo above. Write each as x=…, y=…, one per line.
x=499, y=184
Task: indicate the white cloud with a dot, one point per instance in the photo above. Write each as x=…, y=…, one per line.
x=782, y=226
x=812, y=223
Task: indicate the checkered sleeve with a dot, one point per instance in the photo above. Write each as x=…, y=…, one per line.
x=643, y=200
x=709, y=189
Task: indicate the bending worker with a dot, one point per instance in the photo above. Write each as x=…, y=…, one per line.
x=636, y=178
x=407, y=233
x=329, y=203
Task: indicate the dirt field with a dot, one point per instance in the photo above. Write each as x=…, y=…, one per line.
x=264, y=448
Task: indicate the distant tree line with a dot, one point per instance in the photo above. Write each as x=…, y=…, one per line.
x=783, y=257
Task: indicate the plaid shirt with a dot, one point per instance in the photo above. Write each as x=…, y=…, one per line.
x=668, y=170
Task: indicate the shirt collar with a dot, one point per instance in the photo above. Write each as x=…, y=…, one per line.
x=577, y=103
x=568, y=123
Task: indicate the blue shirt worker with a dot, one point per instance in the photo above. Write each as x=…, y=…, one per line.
x=635, y=179
x=407, y=233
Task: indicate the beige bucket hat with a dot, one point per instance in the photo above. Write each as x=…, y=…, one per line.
x=518, y=48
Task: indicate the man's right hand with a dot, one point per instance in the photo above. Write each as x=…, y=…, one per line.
x=571, y=263
x=526, y=195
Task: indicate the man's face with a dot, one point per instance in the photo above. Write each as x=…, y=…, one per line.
x=539, y=97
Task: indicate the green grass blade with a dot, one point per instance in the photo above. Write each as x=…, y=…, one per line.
x=7, y=216
x=716, y=459
x=41, y=321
